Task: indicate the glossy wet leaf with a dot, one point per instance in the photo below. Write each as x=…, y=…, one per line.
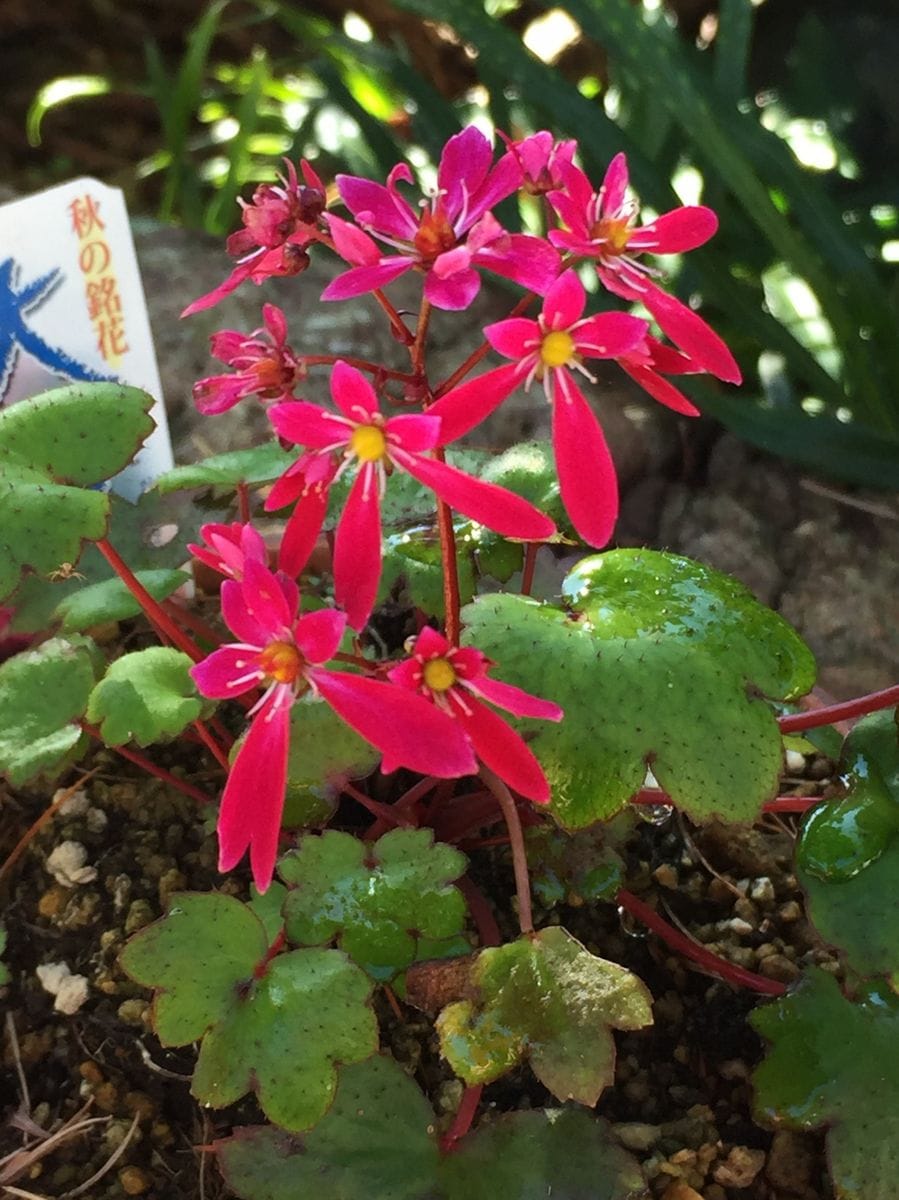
x=324, y=754
x=43, y=694
x=835, y=1063
x=144, y=697
x=279, y=1035
x=52, y=448
x=847, y=856
x=376, y=900
x=548, y=1000
x=662, y=661
x=98, y=603
x=258, y=464
x=570, y=868
x=378, y=1140
x=267, y=907
x=413, y=564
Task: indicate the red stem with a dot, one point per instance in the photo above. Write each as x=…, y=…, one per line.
x=384, y=812
x=516, y=843
x=361, y=364
x=278, y=944
x=860, y=707
x=473, y=359
x=481, y=912
x=452, y=603
x=468, y=1106
x=697, y=953
x=154, y=610
x=151, y=768
x=399, y=325
x=405, y=807
x=798, y=804
x=191, y=621
x=243, y=502
x=212, y=745
x=527, y=571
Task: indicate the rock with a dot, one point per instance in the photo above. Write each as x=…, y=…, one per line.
x=66, y=863
x=679, y=1190
x=70, y=990
x=134, y=1181
x=140, y=913
x=791, y=1162
x=778, y=966
x=635, y=1135
x=795, y=762
x=76, y=805
x=740, y=1167
x=789, y=912
x=762, y=890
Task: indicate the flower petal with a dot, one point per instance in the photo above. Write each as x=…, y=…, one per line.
x=357, y=549
x=564, y=301
x=468, y=404
x=241, y=272
x=250, y=814
x=486, y=503
x=238, y=618
x=675, y=232
x=659, y=388
x=614, y=186
x=359, y=280
x=587, y=479
x=414, y=432
x=382, y=208
x=454, y=293
x=302, y=531
x=463, y=167
x=503, y=751
x=408, y=729
x=430, y=644
x=217, y=674
x=527, y=260
x=609, y=335
x=352, y=393
x=265, y=600
x=692, y=334
x=308, y=425
x=352, y=244
x=514, y=700
x=318, y=634
x=515, y=338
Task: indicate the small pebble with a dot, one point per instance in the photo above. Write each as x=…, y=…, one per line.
x=795, y=762
x=762, y=890
x=140, y=913
x=66, y=863
x=53, y=901
x=778, y=966
x=666, y=876
x=789, y=912
x=96, y=820
x=70, y=991
x=75, y=806
x=740, y=1167
x=738, y=925
x=134, y=1181
x=635, y=1135
x=133, y=1012
x=747, y=911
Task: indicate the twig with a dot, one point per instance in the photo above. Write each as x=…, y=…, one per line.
x=17, y=1059
x=868, y=506
x=107, y=1166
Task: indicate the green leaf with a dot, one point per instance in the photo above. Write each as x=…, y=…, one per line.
x=376, y=900
x=111, y=600
x=378, y=1141
x=664, y=663
x=276, y=1030
x=412, y=558
x=267, y=907
x=571, y=868
x=836, y=1063
x=324, y=753
x=549, y=1000
x=259, y=464
x=529, y=469
x=145, y=696
x=847, y=856
x=51, y=448
x=562, y=1154
x=43, y=693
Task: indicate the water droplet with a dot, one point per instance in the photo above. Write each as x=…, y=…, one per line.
x=630, y=925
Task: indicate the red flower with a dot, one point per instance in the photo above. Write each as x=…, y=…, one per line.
x=284, y=654
x=602, y=226
x=455, y=680
x=228, y=547
x=551, y=349
x=279, y=222
x=542, y=160
x=447, y=238
x=265, y=366
x=379, y=444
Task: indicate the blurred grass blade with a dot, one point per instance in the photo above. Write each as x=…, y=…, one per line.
x=61, y=91
x=732, y=44
x=219, y=215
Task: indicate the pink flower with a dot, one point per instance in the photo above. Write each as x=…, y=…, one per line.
x=265, y=366
x=279, y=222
x=550, y=349
x=447, y=238
x=602, y=226
x=645, y=364
x=284, y=654
x=455, y=680
x=228, y=547
x=378, y=445
x=542, y=160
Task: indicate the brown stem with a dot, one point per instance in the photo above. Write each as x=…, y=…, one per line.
x=782, y=804
x=154, y=610
x=482, y=351
x=452, y=601
x=697, y=953
x=403, y=807
x=361, y=364
x=151, y=768
x=243, y=502
x=527, y=571
x=399, y=325
x=384, y=812
x=516, y=843
x=417, y=350
x=481, y=912
x=860, y=707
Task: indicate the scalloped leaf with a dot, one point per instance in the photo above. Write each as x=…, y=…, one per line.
x=276, y=1028
x=847, y=856
x=43, y=693
x=376, y=900
x=144, y=697
x=547, y=999
x=529, y=469
x=378, y=1141
x=97, y=603
x=53, y=447
x=571, y=868
x=835, y=1063
x=664, y=664
x=257, y=465
x=324, y=753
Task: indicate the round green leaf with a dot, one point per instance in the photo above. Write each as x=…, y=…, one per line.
x=377, y=1140
x=663, y=663
x=145, y=696
x=43, y=693
x=547, y=999
x=558, y=1153
x=529, y=468
x=376, y=900
x=835, y=1063
x=847, y=856
x=258, y=464
x=111, y=600
x=324, y=754
x=574, y=867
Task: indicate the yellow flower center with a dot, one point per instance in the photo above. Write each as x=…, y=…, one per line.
x=281, y=661
x=615, y=232
x=439, y=675
x=368, y=443
x=557, y=349
x=434, y=236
